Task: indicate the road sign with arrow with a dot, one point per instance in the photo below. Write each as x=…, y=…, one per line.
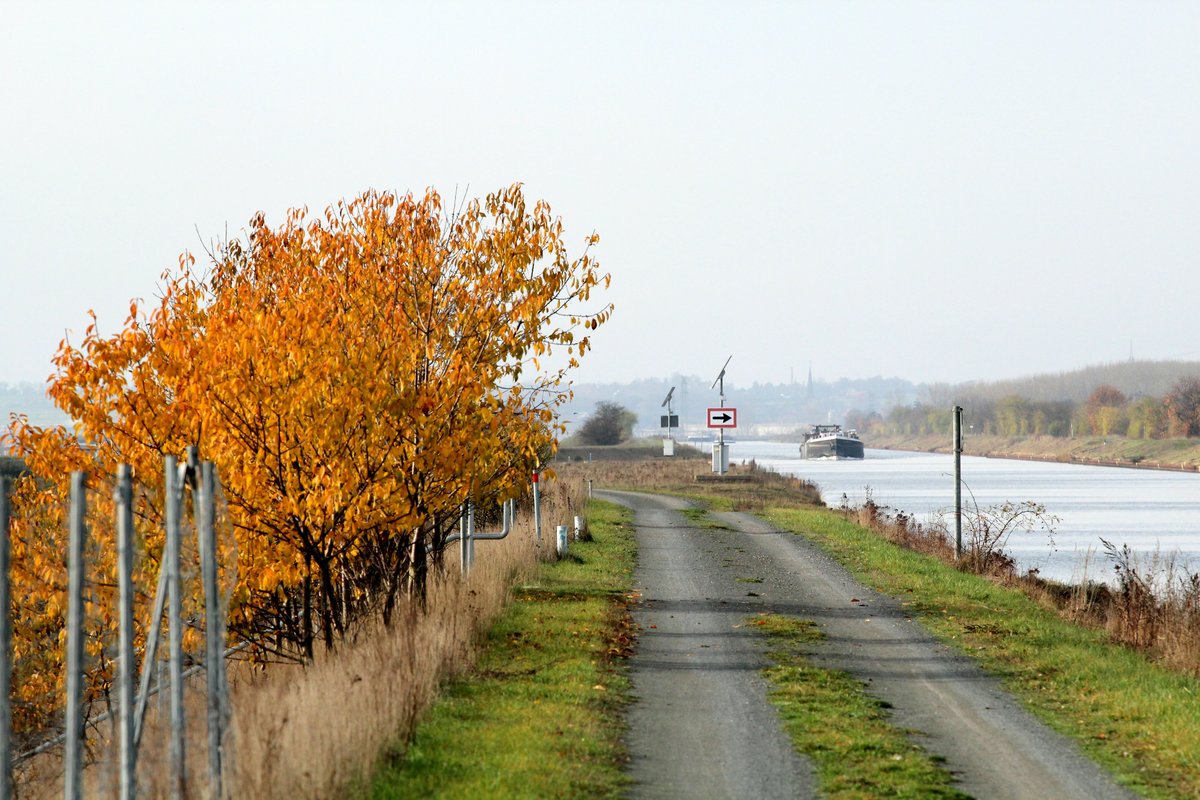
x=722, y=418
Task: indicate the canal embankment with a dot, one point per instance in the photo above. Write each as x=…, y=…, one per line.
x=1179, y=455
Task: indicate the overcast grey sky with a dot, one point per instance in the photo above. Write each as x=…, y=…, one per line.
x=936, y=191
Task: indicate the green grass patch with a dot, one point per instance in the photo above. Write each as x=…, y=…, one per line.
x=700, y=518
x=847, y=733
x=541, y=715
x=1139, y=720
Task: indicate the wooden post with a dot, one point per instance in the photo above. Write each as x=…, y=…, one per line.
x=74, y=721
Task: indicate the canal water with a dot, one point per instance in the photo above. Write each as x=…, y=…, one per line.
x=1156, y=513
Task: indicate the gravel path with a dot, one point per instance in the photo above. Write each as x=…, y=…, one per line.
x=702, y=727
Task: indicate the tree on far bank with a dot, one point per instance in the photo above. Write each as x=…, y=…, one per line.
x=1147, y=418
x=611, y=423
x=1183, y=407
x=1105, y=410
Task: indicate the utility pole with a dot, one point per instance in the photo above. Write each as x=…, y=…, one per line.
x=958, y=446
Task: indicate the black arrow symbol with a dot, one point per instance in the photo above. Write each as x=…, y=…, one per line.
x=722, y=418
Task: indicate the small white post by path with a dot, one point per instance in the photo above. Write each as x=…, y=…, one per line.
x=537, y=509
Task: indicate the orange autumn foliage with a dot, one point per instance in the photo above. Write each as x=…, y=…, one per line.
x=355, y=377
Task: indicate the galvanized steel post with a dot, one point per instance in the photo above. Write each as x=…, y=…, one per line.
x=214, y=638
x=465, y=523
x=958, y=446
x=470, y=536
x=77, y=539
x=128, y=670
x=5, y=648
x=172, y=487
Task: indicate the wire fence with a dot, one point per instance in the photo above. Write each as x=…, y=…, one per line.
x=103, y=650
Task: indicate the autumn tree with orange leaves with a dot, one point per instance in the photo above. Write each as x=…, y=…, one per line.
x=356, y=377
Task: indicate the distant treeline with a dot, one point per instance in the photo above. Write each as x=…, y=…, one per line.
x=1134, y=378
x=1106, y=408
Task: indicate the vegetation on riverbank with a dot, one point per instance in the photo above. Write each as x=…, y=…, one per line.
x=1113, y=450
x=540, y=715
x=1136, y=718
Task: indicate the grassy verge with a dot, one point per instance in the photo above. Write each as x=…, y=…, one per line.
x=846, y=732
x=1139, y=720
x=540, y=717
x=745, y=488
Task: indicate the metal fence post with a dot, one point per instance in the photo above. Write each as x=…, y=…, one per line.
x=171, y=485
x=73, y=749
x=464, y=533
x=214, y=648
x=470, y=536
x=5, y=648
x=958, y=446
x=128, y=671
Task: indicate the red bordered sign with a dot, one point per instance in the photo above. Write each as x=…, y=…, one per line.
x=722, y=418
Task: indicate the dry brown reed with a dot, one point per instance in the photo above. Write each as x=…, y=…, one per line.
x=1152, y=606
x=1155, y=607
x=314, y=730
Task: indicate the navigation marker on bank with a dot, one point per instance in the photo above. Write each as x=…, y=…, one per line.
x=723, y=416
x=669, y=421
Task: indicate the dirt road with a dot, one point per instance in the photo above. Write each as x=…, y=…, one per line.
x=701, y=726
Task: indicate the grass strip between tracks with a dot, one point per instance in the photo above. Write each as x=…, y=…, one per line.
x=847, y=733
x=541, y=714
x=1140, y=721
